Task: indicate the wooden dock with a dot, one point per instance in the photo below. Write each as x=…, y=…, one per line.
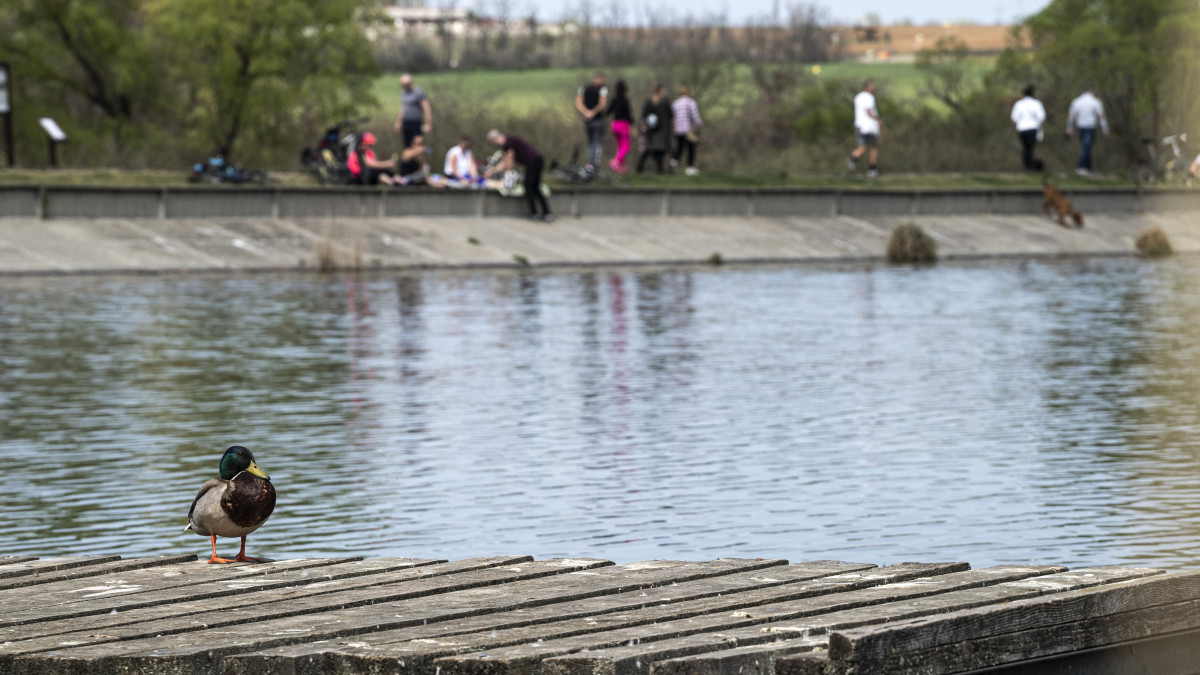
x=514, y=615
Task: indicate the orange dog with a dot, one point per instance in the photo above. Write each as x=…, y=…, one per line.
x=1061, y=204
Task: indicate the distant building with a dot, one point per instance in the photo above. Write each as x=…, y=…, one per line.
x=414, y=16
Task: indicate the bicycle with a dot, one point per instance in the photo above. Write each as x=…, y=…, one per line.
x=1167, y=167
x=217, y=170
x=574, y=173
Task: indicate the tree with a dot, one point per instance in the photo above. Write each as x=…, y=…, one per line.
x=82, y=58
x=253, y=70
x=945, y=69
x=1126, y=48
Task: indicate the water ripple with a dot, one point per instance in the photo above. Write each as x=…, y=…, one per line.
x=991, y=412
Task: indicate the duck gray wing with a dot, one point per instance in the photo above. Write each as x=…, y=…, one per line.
x=210, y=484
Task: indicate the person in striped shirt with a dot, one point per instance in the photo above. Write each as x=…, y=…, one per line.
x=687, y=122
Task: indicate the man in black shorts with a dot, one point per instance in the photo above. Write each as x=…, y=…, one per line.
x=518, y=150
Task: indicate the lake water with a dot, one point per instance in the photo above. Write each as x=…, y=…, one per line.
x=991, y=412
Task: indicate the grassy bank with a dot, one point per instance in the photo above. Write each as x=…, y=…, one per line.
x=707, y=180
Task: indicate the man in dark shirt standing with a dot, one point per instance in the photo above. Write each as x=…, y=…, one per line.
x=416, y=115
x=590, y=102
x=517, y=149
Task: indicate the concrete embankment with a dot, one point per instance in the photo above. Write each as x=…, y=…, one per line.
x=91, y=230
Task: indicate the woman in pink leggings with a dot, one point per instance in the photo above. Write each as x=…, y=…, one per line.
x=622, y=115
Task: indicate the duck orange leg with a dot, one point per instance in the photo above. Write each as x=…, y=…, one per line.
x=242, y=557
x=218, y=559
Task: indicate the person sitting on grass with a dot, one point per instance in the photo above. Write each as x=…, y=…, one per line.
x=414, y=165
x=365, y=169
x=460, y=166
x=517, y=150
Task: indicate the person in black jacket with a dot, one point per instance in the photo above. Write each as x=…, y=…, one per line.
x=591, y=102
x=655, y=128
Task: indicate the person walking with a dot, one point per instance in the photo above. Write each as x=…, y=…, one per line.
x=416, y=115
x=1028, y=114
x=518, y=150
x=1085, y=115
x=590, y=102
x=868, y=128
x=686, y=119
x=622, y=125
x=656, y=126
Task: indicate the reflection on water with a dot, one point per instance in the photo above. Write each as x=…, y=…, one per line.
x=996, y=412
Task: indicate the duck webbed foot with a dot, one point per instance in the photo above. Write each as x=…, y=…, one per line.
x=218, y=559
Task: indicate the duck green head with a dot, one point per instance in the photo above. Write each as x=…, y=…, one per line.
x=238, y=459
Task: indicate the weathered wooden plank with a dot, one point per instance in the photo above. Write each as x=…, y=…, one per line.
x=739, y=660
x=1023, y=646
x=235, y=590
x=14, y=559
x=814, y=663
x=956, y=634
x=1167, y=654
x=72, y=589
x=783, y=620
x=289, y=597
x=758, y=647
x=123, y=596
x=417, y=646
x=50, y=564
x=839, y=590
x=22, y=587
x=365, y=610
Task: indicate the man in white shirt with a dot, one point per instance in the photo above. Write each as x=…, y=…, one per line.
x=868, y=128
x=1028, y=114
x=460, y=164
x=1086, y=113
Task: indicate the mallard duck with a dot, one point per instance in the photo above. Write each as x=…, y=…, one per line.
x=235, y=504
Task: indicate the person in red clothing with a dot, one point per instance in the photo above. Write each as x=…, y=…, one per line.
x=622, y=123
x=518, y=150
x=365, y=169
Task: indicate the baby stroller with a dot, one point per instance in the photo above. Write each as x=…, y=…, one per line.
x=328, y=159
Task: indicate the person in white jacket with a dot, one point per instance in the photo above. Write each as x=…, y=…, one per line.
x=1085, y=115
x=1028, y=114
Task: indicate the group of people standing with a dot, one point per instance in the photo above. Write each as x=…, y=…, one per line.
x=1084, y=117
x=661, y=122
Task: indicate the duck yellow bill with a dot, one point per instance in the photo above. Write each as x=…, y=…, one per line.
x=253, y=468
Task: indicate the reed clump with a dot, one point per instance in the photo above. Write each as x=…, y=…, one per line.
x=326, y=262
x=908, y=243
x=1154, y=243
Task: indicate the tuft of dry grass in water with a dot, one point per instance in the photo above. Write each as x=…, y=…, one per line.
x=326, y=262
x=909, y=244
x=1153, y=243
x=357, y=250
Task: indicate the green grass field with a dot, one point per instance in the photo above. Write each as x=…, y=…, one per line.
x=526, y=90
